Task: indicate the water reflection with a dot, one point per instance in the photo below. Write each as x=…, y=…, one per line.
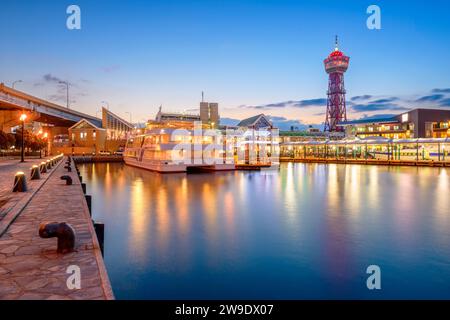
x=307, y=231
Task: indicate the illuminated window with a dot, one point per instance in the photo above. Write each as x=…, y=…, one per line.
x=405, y=117
x=83, y=135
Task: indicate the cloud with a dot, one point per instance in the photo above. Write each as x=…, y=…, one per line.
x=51, y=78
x=110, y=69
x=320, y=102
x=370, y=107
x=431, y=98
x=312, y=103
x=285, y=124
x=445, y=102
x=445, y=90
x=385, y=100
x=363, y=97
x=377, y=116
x=60, y=96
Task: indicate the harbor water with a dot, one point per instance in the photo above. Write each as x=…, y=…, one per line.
x=307, y=231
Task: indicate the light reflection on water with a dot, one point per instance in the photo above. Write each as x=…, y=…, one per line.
x=308, y=231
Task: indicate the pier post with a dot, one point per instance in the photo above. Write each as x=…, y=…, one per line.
x=89, y=203
x=100, y=232
x=43, y=167
x=20, y=182
x=35, y=173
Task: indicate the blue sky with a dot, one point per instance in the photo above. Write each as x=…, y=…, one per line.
x=251, y=56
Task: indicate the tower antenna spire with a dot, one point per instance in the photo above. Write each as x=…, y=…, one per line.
x=336, y=45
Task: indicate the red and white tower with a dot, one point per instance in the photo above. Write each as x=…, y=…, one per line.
x=336, y=65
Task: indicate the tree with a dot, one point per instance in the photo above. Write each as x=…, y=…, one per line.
x=7, y=140
x=32, y=141
x=3, y=140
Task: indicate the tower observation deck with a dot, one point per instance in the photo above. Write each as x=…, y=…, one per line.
x=336, y=64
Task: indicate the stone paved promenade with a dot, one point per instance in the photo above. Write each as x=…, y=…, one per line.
x=9, y=200
x=30, y=268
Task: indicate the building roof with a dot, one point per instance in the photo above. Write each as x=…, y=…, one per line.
x=84, y=121
x=369, y=120
x=253, y=121
x=115, y=116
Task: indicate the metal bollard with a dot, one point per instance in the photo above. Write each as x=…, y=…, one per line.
x=100, y=232
x=35, y=173
x=68, y=180
x=43, y=167
x=20, y=182
x=69, y=168
x=49, y=165
x=63, y=231
x=89, y=203
x=83, y=186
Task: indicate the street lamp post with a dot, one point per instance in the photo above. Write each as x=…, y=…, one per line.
x=107, y=104
x=14, y=83
x=23, y=117
x=40, y=149
x=127, y=112
x=46, y=140
x=67, y=91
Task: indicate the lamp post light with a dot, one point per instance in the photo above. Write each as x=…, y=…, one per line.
x=23, y=117
x=107, y=104
x=67, y=91
x=15, y=82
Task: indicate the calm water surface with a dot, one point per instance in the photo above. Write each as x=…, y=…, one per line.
x=307, y=231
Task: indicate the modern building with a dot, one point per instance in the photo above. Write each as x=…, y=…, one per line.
x=209, y=116
x=257, y=141
x=209, y=113
x=85, y=138
x=171, y=117
x=116, y=127
x=417, y=123
x=88, y=137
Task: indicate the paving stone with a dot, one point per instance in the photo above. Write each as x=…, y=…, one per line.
x=9, y=249
x=3, y=271
x=30, y=268
x=36, y=284
x=8, y=287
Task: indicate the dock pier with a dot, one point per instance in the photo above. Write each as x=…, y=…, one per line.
x=30, y=267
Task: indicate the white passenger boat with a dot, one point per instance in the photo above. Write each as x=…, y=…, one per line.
x=176, y=150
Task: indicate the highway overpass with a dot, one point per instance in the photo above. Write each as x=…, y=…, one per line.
x=14, y=102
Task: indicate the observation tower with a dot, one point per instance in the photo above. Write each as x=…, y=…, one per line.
x=336, y=65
